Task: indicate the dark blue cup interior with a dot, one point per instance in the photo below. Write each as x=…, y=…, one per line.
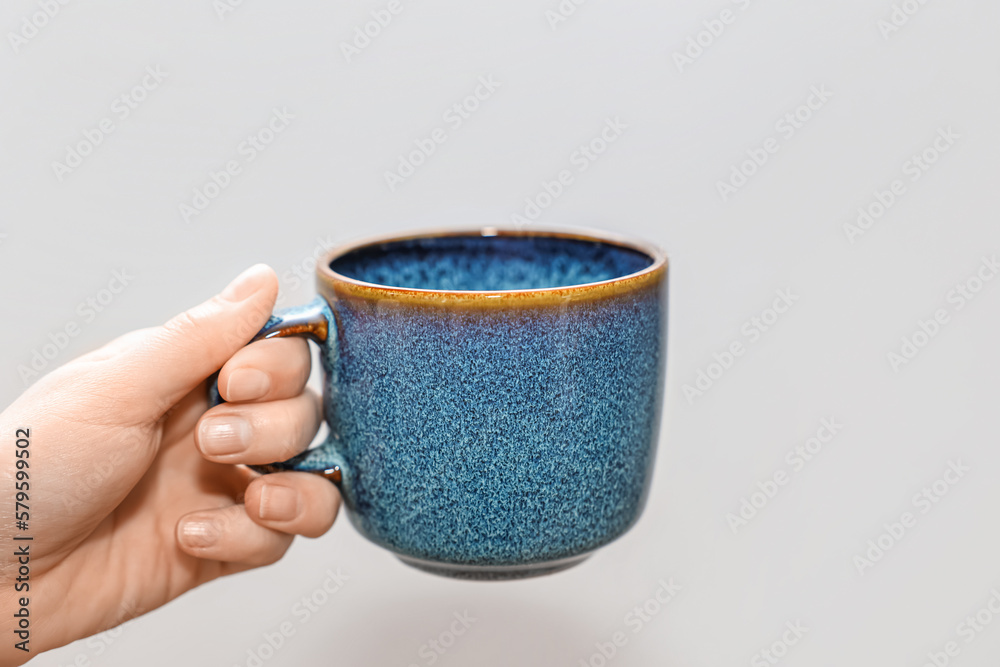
x=489, y=263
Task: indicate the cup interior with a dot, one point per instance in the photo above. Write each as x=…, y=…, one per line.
x=484, y=262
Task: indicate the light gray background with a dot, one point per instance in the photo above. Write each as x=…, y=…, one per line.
x=826, y=357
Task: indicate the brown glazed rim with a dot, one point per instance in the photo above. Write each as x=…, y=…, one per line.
x=344, y=286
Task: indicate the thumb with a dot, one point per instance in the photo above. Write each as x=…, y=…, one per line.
x=168, y=362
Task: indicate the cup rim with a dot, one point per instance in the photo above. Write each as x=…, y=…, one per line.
x=343, y=284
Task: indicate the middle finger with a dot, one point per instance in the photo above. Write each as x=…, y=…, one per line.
x=257, y=433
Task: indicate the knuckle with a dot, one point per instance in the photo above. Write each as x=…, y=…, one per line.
x=249, y=323
x=288, y=357
x=288, y=430
x=302, y=357
x=192, y=326
x=297, y=419
x=184, y=324
x=321, y=511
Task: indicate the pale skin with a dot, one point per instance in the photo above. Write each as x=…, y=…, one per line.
x=134, y=495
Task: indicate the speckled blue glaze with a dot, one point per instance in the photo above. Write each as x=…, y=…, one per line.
x=484, y=438
x=489, y=263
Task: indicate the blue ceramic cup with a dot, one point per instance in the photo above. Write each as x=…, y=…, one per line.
x=493, y=396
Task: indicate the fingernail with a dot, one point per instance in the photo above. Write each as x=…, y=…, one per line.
x=247, y=384
x=278, y=503
x=219, y=436
x=199, y=533
x=245, y=284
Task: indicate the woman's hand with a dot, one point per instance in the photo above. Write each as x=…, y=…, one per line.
x=134, y=498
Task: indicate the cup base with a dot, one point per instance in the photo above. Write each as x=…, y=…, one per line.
x=493, y=572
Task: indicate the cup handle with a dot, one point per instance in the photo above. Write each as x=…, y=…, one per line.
x=313, y=321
